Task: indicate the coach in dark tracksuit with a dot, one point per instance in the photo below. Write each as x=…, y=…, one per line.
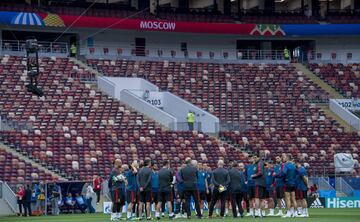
x=189, y=176
x=220, y=178
x=144, y=183
x=237, y=182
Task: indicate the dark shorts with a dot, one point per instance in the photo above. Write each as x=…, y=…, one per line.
x=279, y=192
x=269, y=193
x=260, y=192
x=145, y=196
x=202, y=195
x=251, y=192
x=300, y=194
x=228, y=196
x=154, y=197
x=165, y=196
x=208, y=196
x=290, y=189
x=117, y=196
x=131, y=196
x=180, y=195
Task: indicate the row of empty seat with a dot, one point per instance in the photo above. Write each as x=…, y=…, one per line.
x=270, y=101
x=14, y=170
x=343, y=77
x=78, y=130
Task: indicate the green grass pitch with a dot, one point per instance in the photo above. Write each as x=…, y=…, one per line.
x=316, y=215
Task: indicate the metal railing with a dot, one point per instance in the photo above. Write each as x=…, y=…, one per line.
x=324, y=184
x=111, y=51
x=44, y=47
x=331, y=56
x=249, y=54
x=183, y=126
x=9, y=196
x=234, y=126
x=326, y=171
x=342, y=186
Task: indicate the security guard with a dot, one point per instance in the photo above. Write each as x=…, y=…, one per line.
x=190, y=120
x=286, y=54
x=73, y=50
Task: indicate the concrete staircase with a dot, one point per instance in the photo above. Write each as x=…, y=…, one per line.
x=32, y=162
x=223, y=141
x=85, y=66
x=347, y=127
x=333, y=93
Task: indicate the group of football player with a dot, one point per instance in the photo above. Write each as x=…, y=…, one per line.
x=260, y=186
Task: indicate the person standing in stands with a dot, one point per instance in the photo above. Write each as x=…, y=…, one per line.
x=97, y=184
x=190, y=120
x=221, y=179
x=165, y=194
x=116, y=186
x=279, y=184
x=27, y=201
x=73, y=50
x=131, y=189
x=20, y=199
x=286, y=54
x=260, y=185
x=237, y=182
x=144, y=183
x=189, y=175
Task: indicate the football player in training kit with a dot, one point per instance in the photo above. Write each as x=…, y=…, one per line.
x=289, y=173
x=144, y=184
x=258, y=180
x=269, y=171
x=154, y=186
x=279, y=184
x=179, y=192
x=116, y=186
x=301, y=190
x=131, y=189
x=250, y=185
x=165, y=177
x=260, y=185
x=202, y=186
